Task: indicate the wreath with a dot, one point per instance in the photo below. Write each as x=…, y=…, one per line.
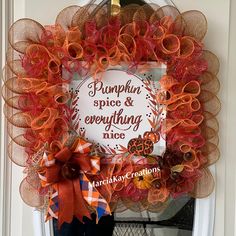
x=40, y=109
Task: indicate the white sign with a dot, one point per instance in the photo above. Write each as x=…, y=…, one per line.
x=116, y=109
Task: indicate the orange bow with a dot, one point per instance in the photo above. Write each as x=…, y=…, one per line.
x=65, y=169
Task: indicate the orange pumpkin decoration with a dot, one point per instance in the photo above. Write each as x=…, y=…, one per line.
x=140, y=146
x=143, y=182
x=153, y=136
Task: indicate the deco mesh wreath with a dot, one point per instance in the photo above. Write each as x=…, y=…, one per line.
x=58, y=161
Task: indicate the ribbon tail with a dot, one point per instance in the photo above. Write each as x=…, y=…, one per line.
x=66, y=202
x=80, y=208
x=94, y=198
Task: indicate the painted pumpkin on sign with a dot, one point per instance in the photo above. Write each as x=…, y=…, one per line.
x=140, y=146
x=153, y=136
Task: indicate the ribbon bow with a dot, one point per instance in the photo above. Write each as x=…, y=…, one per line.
x=67, y=170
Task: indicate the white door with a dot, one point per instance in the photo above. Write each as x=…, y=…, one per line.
x=214, y=216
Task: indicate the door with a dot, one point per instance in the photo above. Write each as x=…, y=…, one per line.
x=213, y=216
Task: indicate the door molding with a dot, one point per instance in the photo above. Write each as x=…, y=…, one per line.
x=6, y=15
x=230, y=132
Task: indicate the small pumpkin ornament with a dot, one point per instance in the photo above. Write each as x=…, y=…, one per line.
x=144, y=181
x=153, y=136
x=140, y=146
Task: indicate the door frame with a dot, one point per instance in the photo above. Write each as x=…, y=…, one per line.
x=6, y=16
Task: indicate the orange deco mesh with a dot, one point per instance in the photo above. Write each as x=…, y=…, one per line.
x=87, y=39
